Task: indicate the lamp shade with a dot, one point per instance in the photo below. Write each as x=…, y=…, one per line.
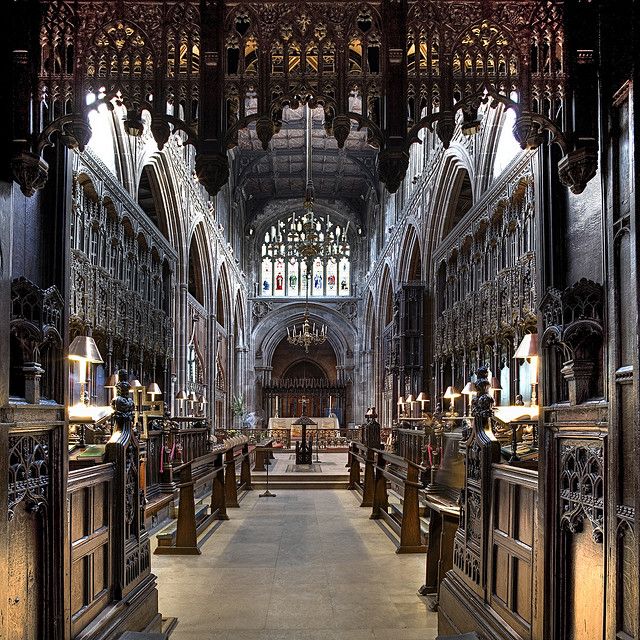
x=202, y=399
x=84, y=348
x=528, y=347
x=181, y=395
x=495, y=384
x=401, y=401
x=422, y=397
x=469, y=389
x=153, y=389
x=135, y=384
x=112, y=381
x=451, y=393
x=192, y=397
x=410, y=399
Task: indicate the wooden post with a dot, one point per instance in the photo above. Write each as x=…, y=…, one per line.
x=230, y=486
x=367, y=489
x=245, y=469
x=218, y=497
x=186, y=533
x=380, y=497
x=410, y=537
x=354, y=469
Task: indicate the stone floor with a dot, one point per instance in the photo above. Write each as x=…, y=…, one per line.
x=305, y=565
x=331, y=464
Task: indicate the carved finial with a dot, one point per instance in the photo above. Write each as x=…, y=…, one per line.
x=265, y=128
x=160, y=131
x=392, y=167
x=30, y=171
x=577, y=168
x=212, y=170
x=123, y=403
x=483, y=405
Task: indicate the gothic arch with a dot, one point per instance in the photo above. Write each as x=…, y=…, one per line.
x=268, y=333
x=223, y=298
x=410, y=268
x=454, y=194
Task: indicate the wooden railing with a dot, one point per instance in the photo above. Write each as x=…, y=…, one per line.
x=412, y=444
x=322, y=438
x=154, y=451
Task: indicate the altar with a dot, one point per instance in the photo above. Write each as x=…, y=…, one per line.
x=296, y=430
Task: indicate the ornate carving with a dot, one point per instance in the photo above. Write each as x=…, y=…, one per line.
x=349, y=309
x=29, y=469
x=392, y=167
x=212, y=171
x=573, y=327
x=577, y=168
x=482, y=450
x=30, y=171
x=341, y=127
x=582, y=488
x=75, y=132
x=260, y=309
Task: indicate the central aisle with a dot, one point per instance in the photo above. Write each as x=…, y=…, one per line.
x=305, y=565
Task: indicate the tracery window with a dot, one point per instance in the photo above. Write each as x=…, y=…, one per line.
x=283, y=272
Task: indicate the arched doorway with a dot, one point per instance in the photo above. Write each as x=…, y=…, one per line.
x=311, y=378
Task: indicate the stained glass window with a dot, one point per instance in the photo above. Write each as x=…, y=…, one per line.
x=283, y=273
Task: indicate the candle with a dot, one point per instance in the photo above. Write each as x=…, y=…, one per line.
x=329, y=405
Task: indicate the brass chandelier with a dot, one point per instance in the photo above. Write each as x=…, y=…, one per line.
x=309, y=241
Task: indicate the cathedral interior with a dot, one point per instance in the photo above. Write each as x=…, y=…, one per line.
x=319, y=320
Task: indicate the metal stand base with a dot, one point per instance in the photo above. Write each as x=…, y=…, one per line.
x=267, y=494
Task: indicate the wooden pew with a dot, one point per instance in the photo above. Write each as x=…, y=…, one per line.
x=181, y=538
x=407, y=475
x=359, y=454
x=236, y=454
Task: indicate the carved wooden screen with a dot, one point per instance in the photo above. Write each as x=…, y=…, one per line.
x=511, y=547
x=90, y=500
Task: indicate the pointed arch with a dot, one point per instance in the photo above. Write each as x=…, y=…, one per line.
x=410, y=268
x=223, y=299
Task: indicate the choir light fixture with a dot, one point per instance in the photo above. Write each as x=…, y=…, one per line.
x=84, y=351
x=422, y=399
x=401, y=403
x=154, y=390
x=451, y=394
x=469, y=391
x=528, y=350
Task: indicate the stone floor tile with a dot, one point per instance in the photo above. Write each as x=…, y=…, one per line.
x=307, y=565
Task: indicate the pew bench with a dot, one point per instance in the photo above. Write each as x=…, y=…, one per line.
x=181, y=537
x=382, y=469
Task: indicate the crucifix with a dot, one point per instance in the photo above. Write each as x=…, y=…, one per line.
x=304, y=448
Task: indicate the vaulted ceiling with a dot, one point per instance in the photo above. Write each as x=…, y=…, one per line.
x=338, y=174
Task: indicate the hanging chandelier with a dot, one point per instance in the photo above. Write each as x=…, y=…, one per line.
x=308, y=239
x=308, y=236
x=306, y=335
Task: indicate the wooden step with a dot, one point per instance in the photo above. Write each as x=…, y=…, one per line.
x=294, y=483
x=168, y=534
